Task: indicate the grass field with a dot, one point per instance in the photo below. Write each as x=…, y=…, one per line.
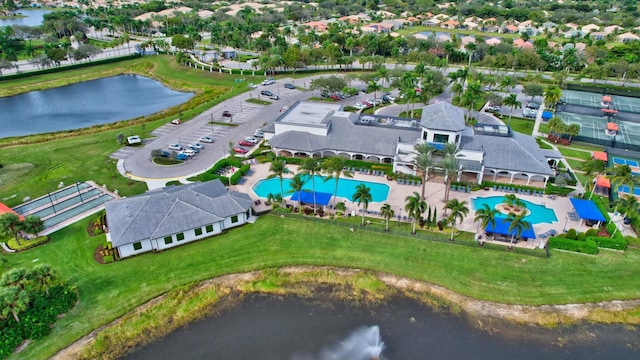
x=416, y=29
x=573, y=153
x=108, y=291
x=521, y=125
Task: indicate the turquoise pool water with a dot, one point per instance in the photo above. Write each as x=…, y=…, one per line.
x=346, y=187
x=539, y=213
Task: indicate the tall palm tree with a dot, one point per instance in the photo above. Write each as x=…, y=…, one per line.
x=11, y=224
x=310, y=167
x=592, y=169
x=42, y=276
x=485, y=216
x=424, y=161
x=334, y=168
x=278, y=169
x=552, y=94
x=517, y=225
x=296, y=185
x=622, y=175
x=459, y=210
x=415, y=207
x=13, y=301
x=472, y=94
x=32, y=225
x=363, y=197
x=512, y=101
x=374, y=87
x=630, y=205
x=387, y=212
x=513, y=200
x=451, y=166
x=507, y=82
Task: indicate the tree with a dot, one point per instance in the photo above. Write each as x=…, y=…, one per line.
x=363, y=197
x=310, y=167
x=592, y=169
x=296, y=185
x=334, y=167
x=13, y=301
x=630, y=205
x=507, y=82
x=278, y=169
x=42, y=277
x=415, y=207
x=552, y=94
x=424, y=161
x=517, y=225
x=533, y=90
x=374, y=87
x=512, y=101
x=387, y=213
x=471, y=95
x=471, y=48
x=572, y=130
x=32, y=225
x=10, y=224
x=182, y=42
x=459, y=210
x=622, y=175
x=485, y=216
x=451, y=166
x=513, y=200
x=16, y=277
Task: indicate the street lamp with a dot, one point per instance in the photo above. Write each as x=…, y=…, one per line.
x=399, y=216
x=564, y=228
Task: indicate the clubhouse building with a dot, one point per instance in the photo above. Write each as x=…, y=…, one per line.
x=486, y=151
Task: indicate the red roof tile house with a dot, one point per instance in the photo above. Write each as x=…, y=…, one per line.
x=450, y=24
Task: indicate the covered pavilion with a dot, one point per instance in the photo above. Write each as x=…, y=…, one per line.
x=587, y=210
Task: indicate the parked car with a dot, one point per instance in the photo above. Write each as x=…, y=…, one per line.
x=176, y=121
x=181, y=156
x=533, y=105
x=176, y=147
x=258, y=133
x=165, y=154
x=335, y=97
x=226, y=113
x=196, y=145
x=189, y=152
x=274, y=97
x=529, y=113
x=194, y=149
x=493, y=108
x=289, y=86
x=252, y=86
x=239, y=150
x=268, y=81
x=245, y=143
x=266, y=93
x=206, y=139
x=251, y=139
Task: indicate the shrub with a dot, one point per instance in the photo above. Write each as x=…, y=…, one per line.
x=615, y=242
x=585, y=247
x=571, y=234
x=591, y=232
x=581, y=236
x=108, y=259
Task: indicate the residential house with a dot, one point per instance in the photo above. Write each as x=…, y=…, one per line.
x=598, y=35
x=378, y=28
x=521, y=44
x=528, y=28
x=628, y=37
x=549, y=25
x=589, y=28
x=433, y=22
x=572, y=33
x=509, y=29
x=612, y=29
x=467, y=40
x=228, y=53
x=450, y=24
x=175, y=215
x=493, y=41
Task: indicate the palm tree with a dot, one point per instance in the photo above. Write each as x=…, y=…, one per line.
x=517, y=225
x=472, y=94
x=512, y=101
x=513, y=200
x=630, y=205
x=507, y=82
x=16, y=277
x=592, y=169
x=42, y=276
x=32, y=225
x=424, y=161
x=451, y=166
x=387, y=212
x=552, y=94
x=622, y=175
x=13, y=301
x=10, y=224
x=459, y=210
x=485, y=216
x=278, y=169
x=334, y=167
x=362, y=196
x=471, y=48
x=373, y=87
x=415, y=207
x=296, y=185
x=311, y=167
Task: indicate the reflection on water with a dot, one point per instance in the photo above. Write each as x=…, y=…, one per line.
x=32, y=18
x=262, y=327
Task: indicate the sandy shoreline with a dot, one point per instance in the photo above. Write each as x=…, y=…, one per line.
x=534, y=315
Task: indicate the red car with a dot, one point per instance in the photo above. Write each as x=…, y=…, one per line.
x=240, y=150
x=244, y=143
x=226, y=113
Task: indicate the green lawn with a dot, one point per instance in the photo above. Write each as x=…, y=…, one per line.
x=416, y=29
x=573, y=153
x=575, y=164
x=108, y=291
x=521, y=125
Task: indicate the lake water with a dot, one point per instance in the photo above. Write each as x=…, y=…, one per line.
x=33, y=18
x=263, y=327
x=85, y=104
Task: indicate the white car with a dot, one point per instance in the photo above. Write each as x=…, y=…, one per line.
x=252, y=86
x=268, y=82
x=258, y=134
x=175, y=147
x=189, y=152
x=206, y=139
x=252, y=140
x=196, y=145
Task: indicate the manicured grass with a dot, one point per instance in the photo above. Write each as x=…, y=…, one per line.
x=572, y=153
x=543, y=128
x=416, y=29
x=575, y=164
x=108, y=291
x=521, y=125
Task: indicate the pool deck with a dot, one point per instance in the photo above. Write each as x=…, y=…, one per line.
x=434, y=194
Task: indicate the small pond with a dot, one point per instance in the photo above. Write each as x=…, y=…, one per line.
x=32, y=18
x=85, y=104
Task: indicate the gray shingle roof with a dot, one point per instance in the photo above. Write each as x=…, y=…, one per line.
x=344, y=135
x=172, y=210
x=443, y=116
x=518, y=153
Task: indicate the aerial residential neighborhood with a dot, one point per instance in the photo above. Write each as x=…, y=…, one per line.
x=160, y=157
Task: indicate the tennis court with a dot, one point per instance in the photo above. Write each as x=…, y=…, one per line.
x=594, y=127
x=623, y=104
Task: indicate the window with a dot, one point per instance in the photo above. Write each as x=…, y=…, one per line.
x=209, y=228
x=168, y=240
x=198, y=231
x=440, y=138
x=234, y=219
x=137, y=246
x=180, y=236
x=425, y=135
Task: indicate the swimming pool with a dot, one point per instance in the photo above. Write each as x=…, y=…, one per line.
x=346, y=187
x=539, y=213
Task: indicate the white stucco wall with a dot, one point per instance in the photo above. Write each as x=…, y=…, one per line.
x=127, y=250
x=315, y=130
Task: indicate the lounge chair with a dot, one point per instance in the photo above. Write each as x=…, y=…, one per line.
x=468, y=189
x=494, y=187
x=552, y=232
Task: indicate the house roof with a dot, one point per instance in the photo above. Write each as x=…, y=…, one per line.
x=345, y=135
x=4, y=209
x=628, y=36
x=159, y=213
x=518, y=152
x=442, y=116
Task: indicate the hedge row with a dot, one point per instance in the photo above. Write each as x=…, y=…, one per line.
x=615, y=242
x=586, y=247
x=235, y=178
